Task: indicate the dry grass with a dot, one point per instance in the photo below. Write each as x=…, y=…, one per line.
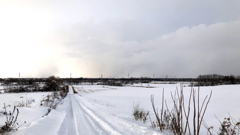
x=177, y=119
x=11, y=119
x=139, y=113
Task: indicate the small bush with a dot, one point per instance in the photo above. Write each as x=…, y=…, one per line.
x=63, y=93
x=22, y=104
x=26, y=103
x=229, y=127
x=140, y=114
x=52, y=100
x=11, y=119
x=52, y=84
x=177, y=120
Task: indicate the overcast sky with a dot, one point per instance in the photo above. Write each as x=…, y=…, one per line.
x=87, y=38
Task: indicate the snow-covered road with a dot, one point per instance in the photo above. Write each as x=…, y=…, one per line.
x=79, y=115
x=82, y=120
x=79, y=120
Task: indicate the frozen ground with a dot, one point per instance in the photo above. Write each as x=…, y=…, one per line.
x=98, y=109
x=28, y=114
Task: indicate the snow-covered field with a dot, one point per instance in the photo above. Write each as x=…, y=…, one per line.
x=27, y=115
x=98, y=109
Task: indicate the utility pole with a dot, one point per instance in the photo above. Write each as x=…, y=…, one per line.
x=70, y=78
x=19, y=85
x=102, y=79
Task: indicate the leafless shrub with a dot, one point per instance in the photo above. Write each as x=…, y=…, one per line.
x=210, y=129
x=159, y=119
x=63, y=94
x=229, y=126
x=177, y=119
x=26, y=103
x=22, y=104
x=139, y=113
x=52, y=100
x=47, y=100
x=11, y=119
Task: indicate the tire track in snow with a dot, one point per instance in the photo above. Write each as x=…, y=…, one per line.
x=73, y=127
x=68, y=124
x=120, y=125
x=81, y=121
x=97, y=121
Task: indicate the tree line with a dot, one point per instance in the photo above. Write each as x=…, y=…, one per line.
x=53, y=83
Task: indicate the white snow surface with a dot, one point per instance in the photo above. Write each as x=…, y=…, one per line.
x=107, y=110
x=27, y=115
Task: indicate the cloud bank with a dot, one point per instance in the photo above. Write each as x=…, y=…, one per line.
x=187, y=52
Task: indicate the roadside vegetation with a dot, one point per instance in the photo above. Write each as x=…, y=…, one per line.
x=51, y=101
x=185, y=116
x=51, y=83
x=177, y=119
x=139, y=113
x=11, y=120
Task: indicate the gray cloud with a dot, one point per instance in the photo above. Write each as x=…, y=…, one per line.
x=154, y=17
x=187, y=52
